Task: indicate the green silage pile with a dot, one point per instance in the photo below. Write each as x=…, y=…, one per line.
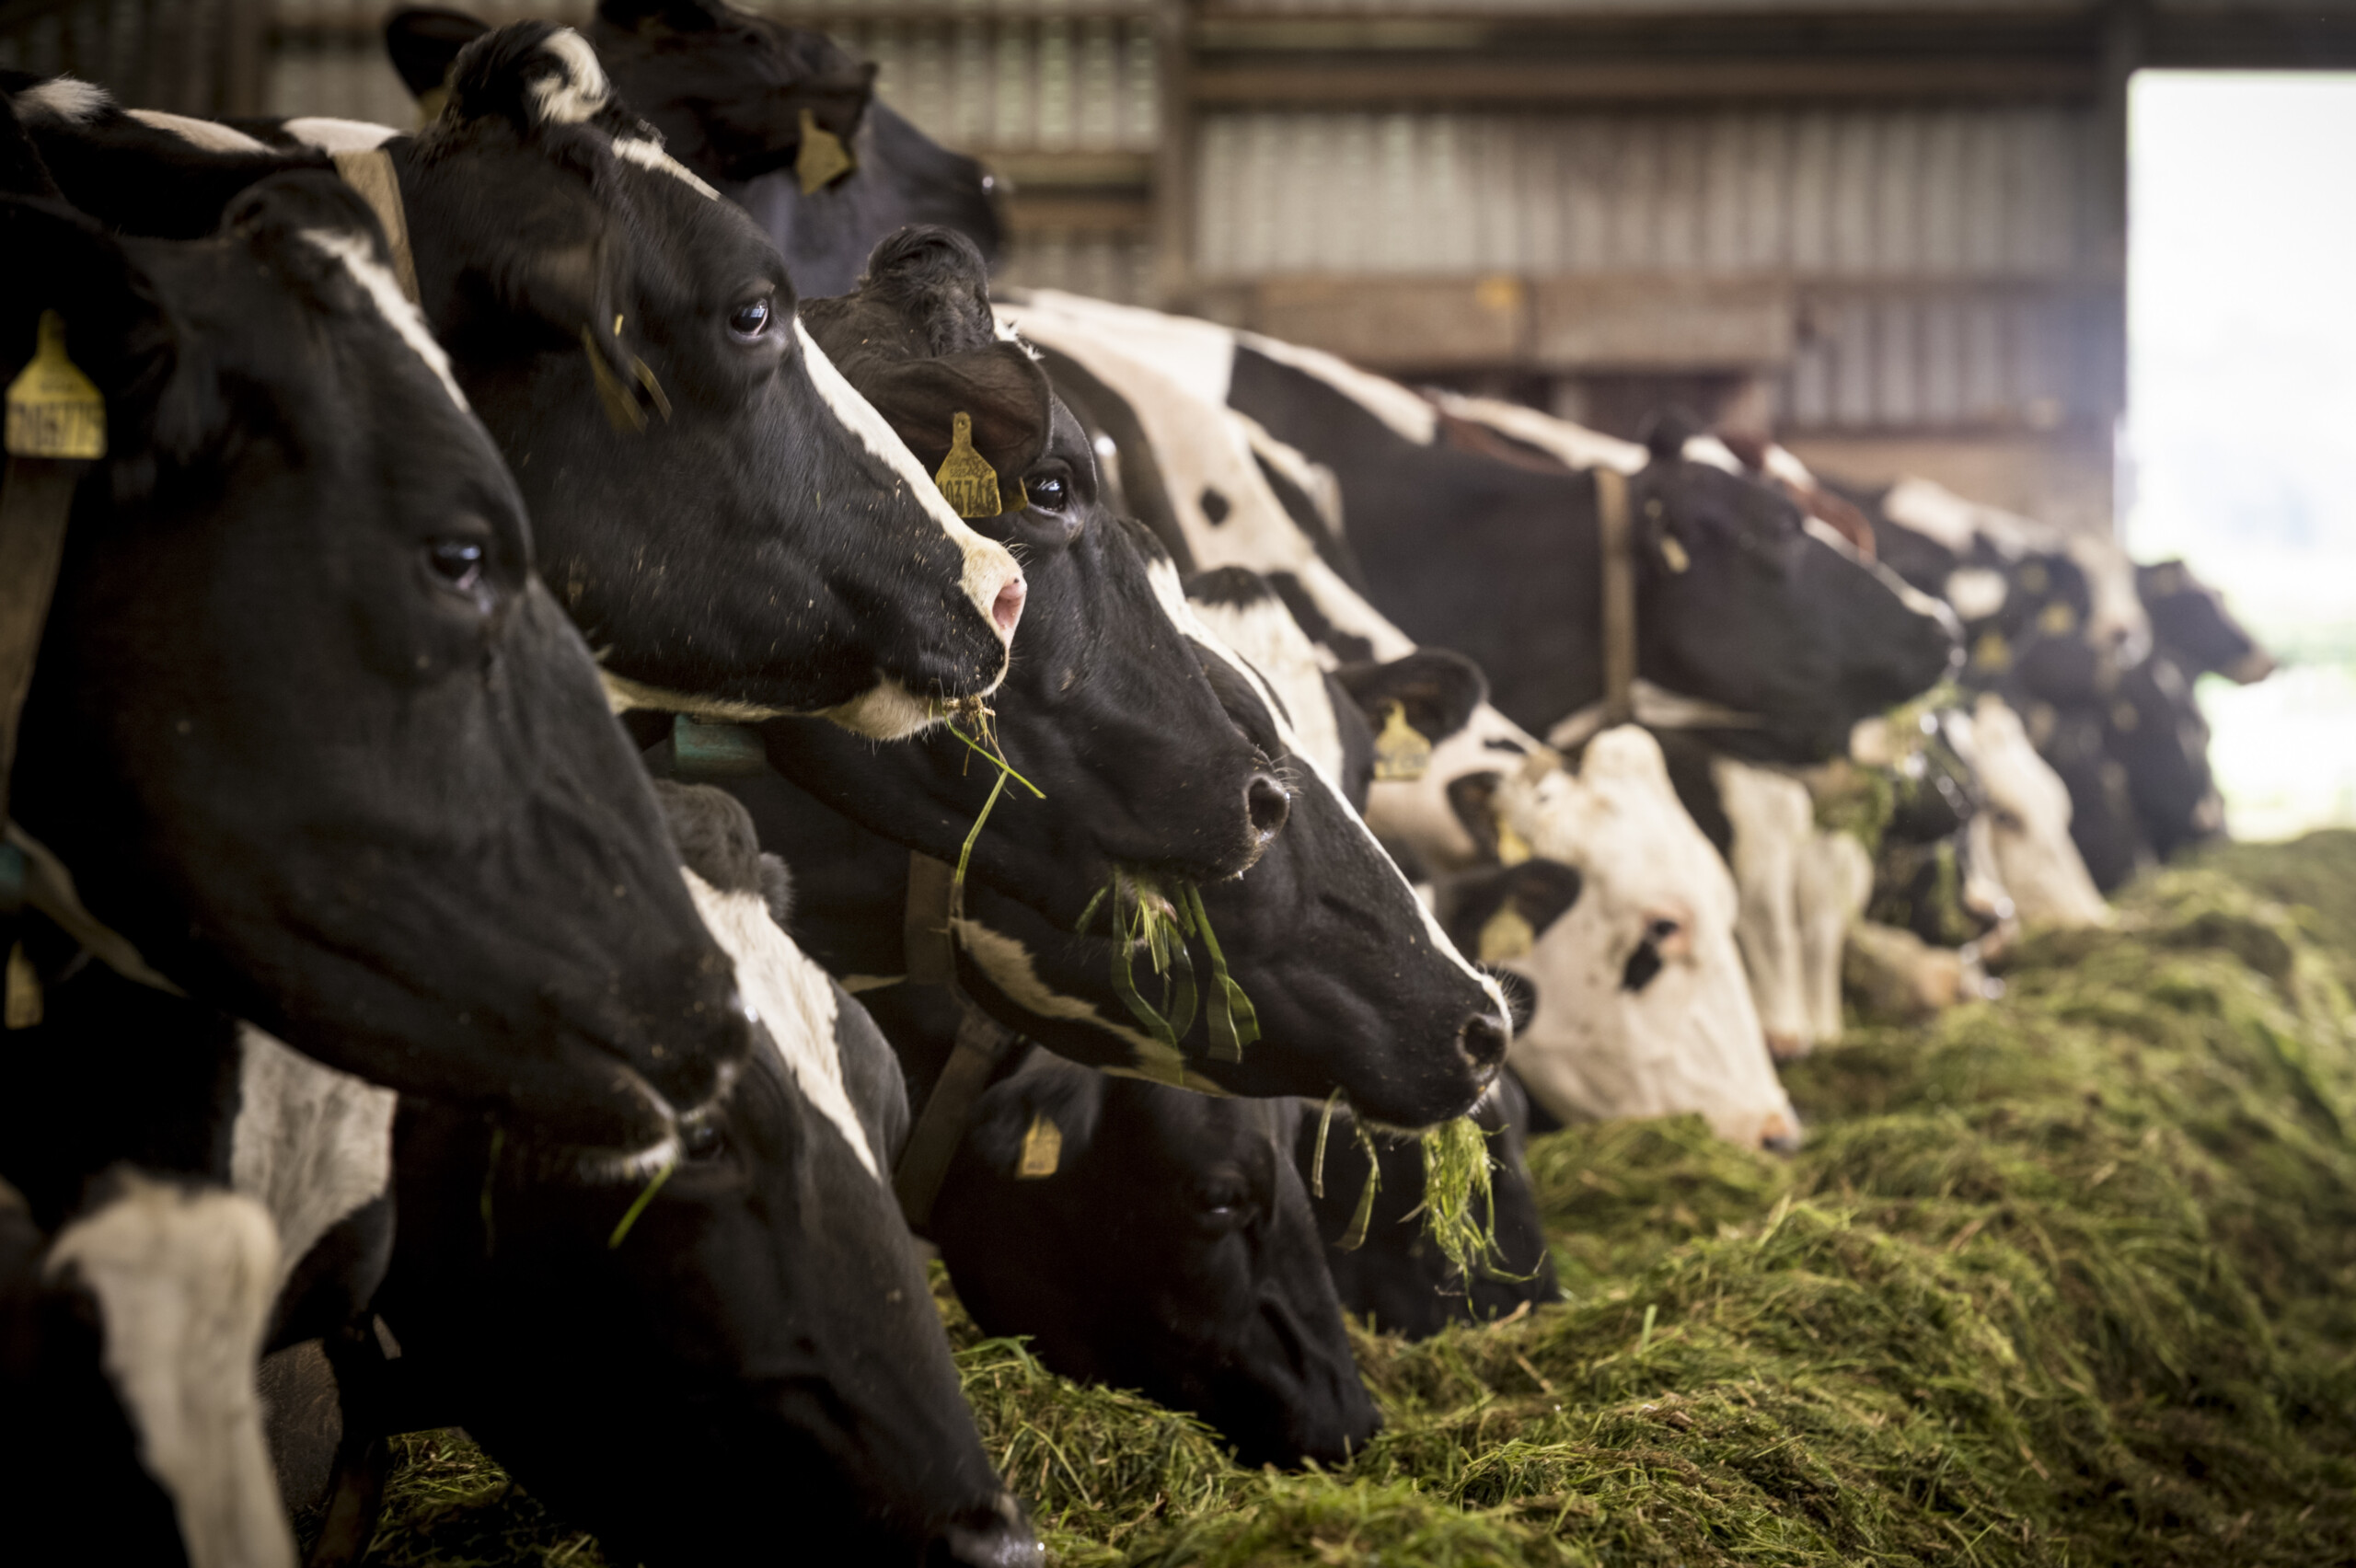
x=2069, y=1277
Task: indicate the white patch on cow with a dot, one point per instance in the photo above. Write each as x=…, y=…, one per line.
x=1199, y=356
x=1573, y=445
x=1265, y=634
x=1407, y=413
x=624, y=695
x=649, y=156
x=332, y=136
x=795, y=999
x=988, y=567
x=211, y=135
x=1835, y=881
x=1710, y=452
x=1772, y=817
x=888, y=710
x=359, y=259
x=1976, y=592
x=1782, y=463
x=62, y=98
x=2028, y=817
x=2117, y=623
x=1688, y=1040
x=578, y=91
x=1012, y=969
x=184, y=1283
x=1313, y=479
x=311, y=1145
x=1417, y=813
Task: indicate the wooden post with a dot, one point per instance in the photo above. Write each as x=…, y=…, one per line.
x=1173, y=158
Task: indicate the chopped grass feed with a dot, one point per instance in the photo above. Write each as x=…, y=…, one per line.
x=2064, y=1278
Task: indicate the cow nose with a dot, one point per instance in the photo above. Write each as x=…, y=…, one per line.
x=999, y=1540
x=1780, y=1134
x=1007, y=610
x=1268, y=803
x=1483, y=1039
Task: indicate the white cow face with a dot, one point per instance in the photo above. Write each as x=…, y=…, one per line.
x=2025, y=832
x=1641, y=1006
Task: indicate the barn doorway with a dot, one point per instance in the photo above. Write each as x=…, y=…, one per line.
x=2240, y=449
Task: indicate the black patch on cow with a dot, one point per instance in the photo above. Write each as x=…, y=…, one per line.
x=1474, y=797
x=1505, y=744
x=1346, y=646
x=1643, y=964
x=1105, y=413
x=1335, y=550
x=1231, y=585
x=1697, y=785
x=1214, y=505
x=1540, y=891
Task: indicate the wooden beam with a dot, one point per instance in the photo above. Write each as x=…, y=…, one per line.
x=1433, y=83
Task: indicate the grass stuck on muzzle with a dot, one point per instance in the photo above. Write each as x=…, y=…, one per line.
x=2068, y=1276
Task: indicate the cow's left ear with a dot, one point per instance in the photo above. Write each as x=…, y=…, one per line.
x=1036, y=1124
x=1431, y=694
x=425, y=41
x=1496, y=916
x=998, y=388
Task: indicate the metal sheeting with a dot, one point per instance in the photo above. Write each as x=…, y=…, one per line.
x=1017, y=85
x=1974, y=193
x=330, y=56
x=187, y=56
x=1999, y=359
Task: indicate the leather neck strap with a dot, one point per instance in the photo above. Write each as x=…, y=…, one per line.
x=1616, y=550
x=981, y=1044
x=371, y=174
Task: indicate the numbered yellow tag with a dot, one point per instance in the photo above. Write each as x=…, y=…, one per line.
x=53, y=412
x=1512, y=847
x=1401, y=752
x=23, y=1006
x=2058, y=619
x=1673, y=553
x=1507, y=936
x=965, y=476
x=1992, y=654
x=1043, y=1149
x=823, y=158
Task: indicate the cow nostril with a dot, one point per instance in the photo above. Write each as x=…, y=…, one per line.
x=1780, y=1134
x=1484, y=1040
x=1008, y=610
x=1268, y=803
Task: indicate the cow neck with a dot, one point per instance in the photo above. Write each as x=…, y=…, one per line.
x=1616, y=550
x=982, y=1042
x=371, y=174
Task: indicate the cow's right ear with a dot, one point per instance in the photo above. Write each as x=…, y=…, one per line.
x=1434, y=692
x=116, y=329
x=1036, y=1124
x=999, y=388
x=1496, y=916
x=1474, y=798
x=425, y=43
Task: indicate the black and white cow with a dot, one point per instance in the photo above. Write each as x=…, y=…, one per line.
x=304, y=727
x=1154, y=1239
x=728, y=88
x=1739, y=603
x=755, y=541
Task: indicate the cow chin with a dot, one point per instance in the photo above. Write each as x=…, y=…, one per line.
x=884, y=711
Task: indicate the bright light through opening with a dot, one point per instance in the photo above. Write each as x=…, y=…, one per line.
x=2241, y=409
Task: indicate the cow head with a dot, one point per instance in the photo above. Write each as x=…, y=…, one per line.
x=1623, y=927
x=1108, y=709
x=1149, y=1238
x=2192, y=626
x=306, y=727
x=753, y=539
x=2024, y=832
x=730, y=90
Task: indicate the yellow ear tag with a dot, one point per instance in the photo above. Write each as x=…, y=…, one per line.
x=53, y=412
x=1506, y=935
x=823, y=158
x=1401, y=752
x=1512, y=847
x=1043, y=1149
x=965, y=476
x=1991, y=652
x=23, y=1007
x=2058, y=619
x=1674, y=553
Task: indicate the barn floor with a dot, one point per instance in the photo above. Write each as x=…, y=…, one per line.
x=2065, y=1278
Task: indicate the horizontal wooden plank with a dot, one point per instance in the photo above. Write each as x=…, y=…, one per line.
x=1425, y=82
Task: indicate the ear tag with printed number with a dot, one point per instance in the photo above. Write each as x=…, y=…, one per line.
x=1992, y=654
x=2058, y=619
x=1401, y=753
x=1512, y=847
x=823, y=158
x=24, y=1001
x=1506, y=935
x=965, y=476
x=1043, y=1149
x=54, y=411
x=1673, y=553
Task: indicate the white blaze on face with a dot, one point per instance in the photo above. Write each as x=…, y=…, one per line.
x=332, y=136
x=989, y=568
x=359, y=258
x=184, y=1283
x=2117, y=623
x=2027, y=818
x=1687, y=1040
x=311, y=1145
x=649, y=156
x=795, y=999
x=1773, y=818
x=1835, y=882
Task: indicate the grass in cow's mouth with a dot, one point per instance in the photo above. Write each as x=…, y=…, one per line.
x=1457, y=1208
x=1157, y=914
x=2064, y=1278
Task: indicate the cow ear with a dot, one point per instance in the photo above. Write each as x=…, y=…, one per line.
x=1474, y=798
x=1037, y=1123
x=1432, y=692
x=425, y=43
x=21, y=171
x=1668, y=431
x=1497, y=917
x=1004, y=393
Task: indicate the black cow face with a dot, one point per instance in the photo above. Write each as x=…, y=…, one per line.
x=2192, y=626
x=762, y=1325
x=2154, y=731
x=764, y=543
x=729, y=90
x=1149, y=1238
x=1398, y=1280
x=1108, y=709
x=306, y=727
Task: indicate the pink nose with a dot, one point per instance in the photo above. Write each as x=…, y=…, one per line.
x=1008, y=610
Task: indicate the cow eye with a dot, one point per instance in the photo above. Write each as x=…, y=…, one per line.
x=458, y=563
x=1660, y=930
x=1048, y=493
x=703, y=1140
x=751, y=319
